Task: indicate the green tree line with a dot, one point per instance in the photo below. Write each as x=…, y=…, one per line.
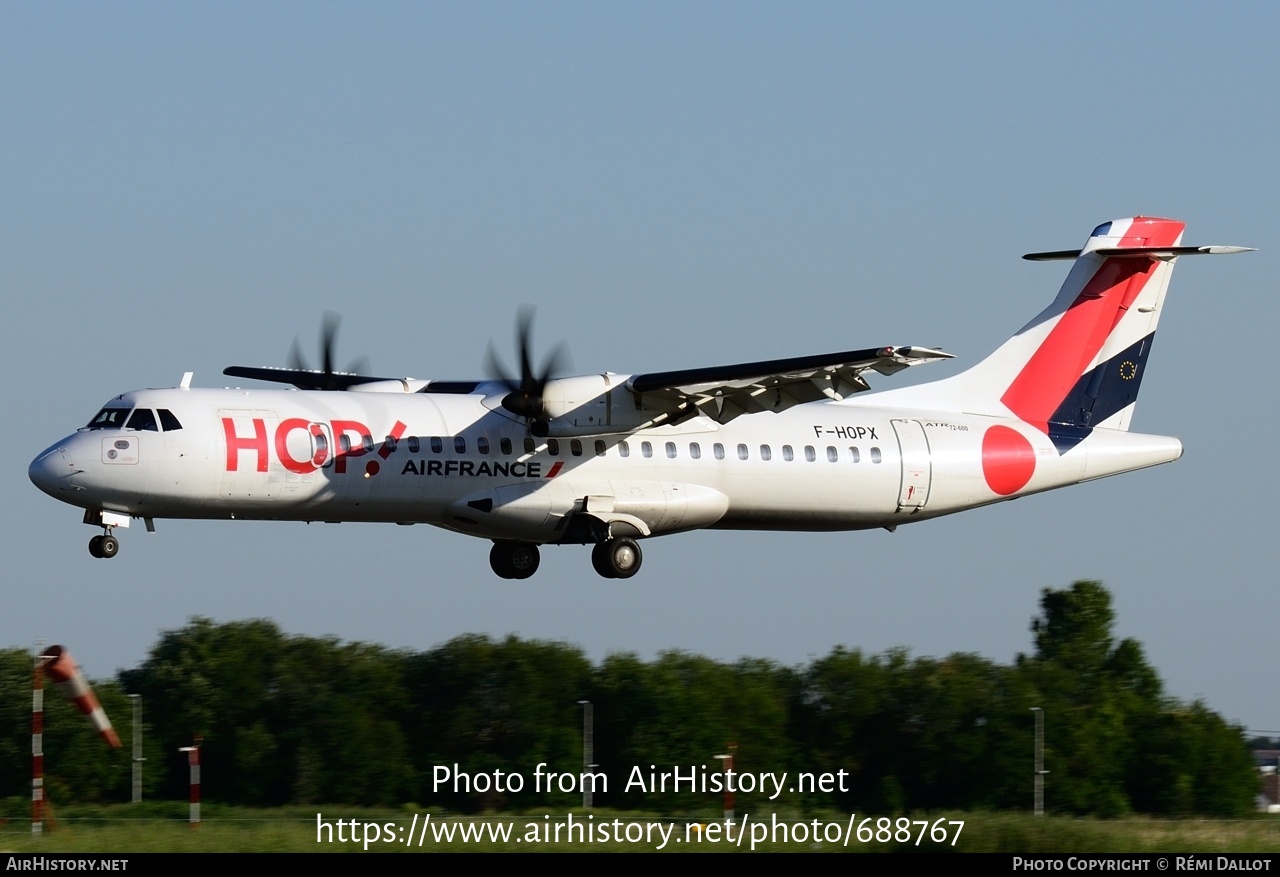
x=304, y=720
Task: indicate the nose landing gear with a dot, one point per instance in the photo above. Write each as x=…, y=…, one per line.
x=105, y=545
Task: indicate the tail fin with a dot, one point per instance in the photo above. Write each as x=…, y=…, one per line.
x=1078, y=365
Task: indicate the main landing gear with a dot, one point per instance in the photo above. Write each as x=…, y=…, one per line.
x=514, y=560
x=617, y=558
x=105, y=545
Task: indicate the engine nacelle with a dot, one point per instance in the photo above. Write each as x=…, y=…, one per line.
x=595, y=405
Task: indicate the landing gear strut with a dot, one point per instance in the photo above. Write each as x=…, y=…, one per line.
x=617, y=558
x=105, y=545
x=514, y=560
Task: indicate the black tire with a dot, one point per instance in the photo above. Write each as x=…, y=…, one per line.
x=617, y=558
x=95, y=546
x=600, y=560
x=109, y=546
x=514, y=560
x=625, y=558
x=500, y=560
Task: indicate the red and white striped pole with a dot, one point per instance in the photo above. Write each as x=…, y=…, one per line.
x=62, y=669
x=726, y=761
x=193, y=761
x=37, y=745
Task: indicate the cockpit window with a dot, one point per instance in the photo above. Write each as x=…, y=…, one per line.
x=143, y=418
x=168, y=421
x=109, y=418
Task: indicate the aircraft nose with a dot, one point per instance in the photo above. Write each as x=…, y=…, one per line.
x=52, y=471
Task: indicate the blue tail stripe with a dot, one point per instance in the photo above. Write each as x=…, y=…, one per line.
x=1101, y=392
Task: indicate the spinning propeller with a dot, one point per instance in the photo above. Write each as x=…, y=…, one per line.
x=326, y=378
x=525, y=394
x=301, y=375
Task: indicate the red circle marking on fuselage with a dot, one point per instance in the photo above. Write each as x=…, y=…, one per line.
x=1008, y=460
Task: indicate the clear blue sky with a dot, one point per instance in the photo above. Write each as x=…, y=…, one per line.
x=189, y=186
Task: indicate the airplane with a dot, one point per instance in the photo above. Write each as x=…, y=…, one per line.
x=608, y=460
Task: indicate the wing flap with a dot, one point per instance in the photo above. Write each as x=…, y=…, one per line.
x=729, y=391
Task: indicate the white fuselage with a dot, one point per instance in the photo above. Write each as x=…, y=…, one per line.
x=454, y=461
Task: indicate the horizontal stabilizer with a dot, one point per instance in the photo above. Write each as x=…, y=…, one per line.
x=1148, y=252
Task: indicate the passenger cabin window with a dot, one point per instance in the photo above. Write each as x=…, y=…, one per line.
x=832, y=454
x=109, y=418
x=624, y=449
x=742, y=452
x=875, y=455
x=482, y=444
x=854, y=455
x=695, y=451
x=505, y=446
x=671, y=450
x=529, y=446
x=646, y=449
x=366, y=442
x=787, y=453
x=459, y=444
x=575, y=448
x=717, y=451
x=766, y=453
x=390, y=444
x=143, y=418
x=553, y=447
x=809, y=453
x=599, y=447
x=437, y=445
x=414, y=444
x=168, y=421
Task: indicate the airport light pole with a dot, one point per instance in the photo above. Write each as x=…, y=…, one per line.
x=1039, y=768
x=588, y=751
x=137, y=747
x=37, y=742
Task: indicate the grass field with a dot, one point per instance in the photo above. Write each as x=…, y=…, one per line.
x=163, y=828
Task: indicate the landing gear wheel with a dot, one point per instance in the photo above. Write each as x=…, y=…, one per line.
x=514, y=560
x=105, y=545
x=600, y=560
x=617, y=558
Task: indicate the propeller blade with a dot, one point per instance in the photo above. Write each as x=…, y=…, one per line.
x=296, y=360
x=525, y=393
x=328, y=339
x=325, y=378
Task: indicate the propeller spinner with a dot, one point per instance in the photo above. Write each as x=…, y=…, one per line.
x=525, y=394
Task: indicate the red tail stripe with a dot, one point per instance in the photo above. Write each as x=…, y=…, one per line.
x=1077, y=338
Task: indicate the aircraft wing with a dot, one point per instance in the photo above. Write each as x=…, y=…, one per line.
x=302, y=378
x=728, y=391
